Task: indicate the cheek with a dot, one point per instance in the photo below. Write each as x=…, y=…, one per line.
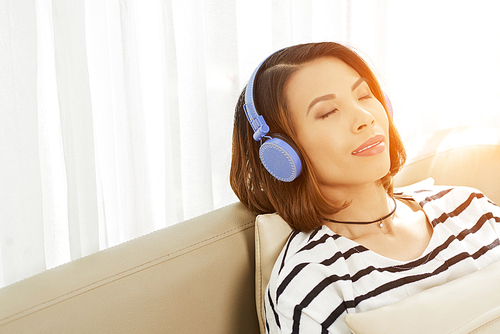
x=323, y=151
x=383, y=119
x=315, y=142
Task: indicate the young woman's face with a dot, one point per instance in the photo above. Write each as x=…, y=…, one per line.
x=341, y=126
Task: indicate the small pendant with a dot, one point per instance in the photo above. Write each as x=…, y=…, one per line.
x=381, y=225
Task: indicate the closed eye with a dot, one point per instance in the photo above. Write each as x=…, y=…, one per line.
x=365, y=97
x=331, y=112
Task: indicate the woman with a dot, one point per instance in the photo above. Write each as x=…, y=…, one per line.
x=356, y=244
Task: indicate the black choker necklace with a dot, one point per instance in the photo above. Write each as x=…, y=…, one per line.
x=380, y=220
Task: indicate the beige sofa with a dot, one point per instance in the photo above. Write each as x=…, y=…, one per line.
x=199, y=276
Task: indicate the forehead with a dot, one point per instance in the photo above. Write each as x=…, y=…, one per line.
x=321, y=76
x=326, y=70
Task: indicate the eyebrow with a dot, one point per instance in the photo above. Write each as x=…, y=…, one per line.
x=332, y=96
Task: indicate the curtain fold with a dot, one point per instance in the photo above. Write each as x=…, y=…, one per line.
x=21, y=225
x=116, y=116
x=173, y=193
x=76, y=120
x=190, y=33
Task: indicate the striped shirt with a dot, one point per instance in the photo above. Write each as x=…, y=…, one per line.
x=320, y=276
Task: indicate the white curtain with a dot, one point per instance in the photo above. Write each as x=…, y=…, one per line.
x=116, y=115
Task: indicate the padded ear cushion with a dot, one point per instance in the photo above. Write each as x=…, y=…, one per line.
x=389, y=104
x=281, y=158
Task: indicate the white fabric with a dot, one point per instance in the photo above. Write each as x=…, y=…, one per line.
x=116, y=116
x=321, y=276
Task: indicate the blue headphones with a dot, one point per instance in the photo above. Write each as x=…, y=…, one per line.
x=277, y=153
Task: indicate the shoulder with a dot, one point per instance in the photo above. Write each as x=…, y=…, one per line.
x=464, y=206
x=443, y=195
x=310, y=271
x=306, y=250
x=306, y=260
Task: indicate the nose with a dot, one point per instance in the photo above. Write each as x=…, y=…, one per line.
x=362, y=119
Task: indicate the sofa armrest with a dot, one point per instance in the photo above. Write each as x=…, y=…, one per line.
x=194, y=277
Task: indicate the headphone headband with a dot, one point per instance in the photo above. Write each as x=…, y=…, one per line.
x=259, y=125
x=277, y=153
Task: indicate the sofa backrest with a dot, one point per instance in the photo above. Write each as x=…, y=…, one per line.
x=193, y=277
x=457, y=157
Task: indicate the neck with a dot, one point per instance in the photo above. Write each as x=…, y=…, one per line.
x=379, y=221
x=367, y=203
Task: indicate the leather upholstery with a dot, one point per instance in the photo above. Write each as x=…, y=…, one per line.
x=193, y=277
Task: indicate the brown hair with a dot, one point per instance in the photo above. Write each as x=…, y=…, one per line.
x=300, y=202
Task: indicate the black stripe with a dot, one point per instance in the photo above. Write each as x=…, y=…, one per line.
x=421, y=191
x=346, y=255
x=483, y=250
x=295, y=271
x=322, y=240
x=407, y=266
x=337, y=313
x=298, y=268
x=327, y=262
x=457, y=211
x=276, y=317
x=435, y=196
x=393, y=269
x=265, y=319
x=292, y=235
x=479, y=224
x=415, y=278
x=297, y=312
x=382, y=289
x=332, y=260
x=312, y=295
x=432, y=255
x=315, y=232
x=406, y=280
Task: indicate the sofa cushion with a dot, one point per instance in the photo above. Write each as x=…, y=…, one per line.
x=470, y=304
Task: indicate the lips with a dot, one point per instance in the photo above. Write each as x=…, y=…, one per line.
x=372, y=146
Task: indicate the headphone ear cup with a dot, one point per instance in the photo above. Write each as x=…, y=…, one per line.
x=281, y=158
x=389, y=104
